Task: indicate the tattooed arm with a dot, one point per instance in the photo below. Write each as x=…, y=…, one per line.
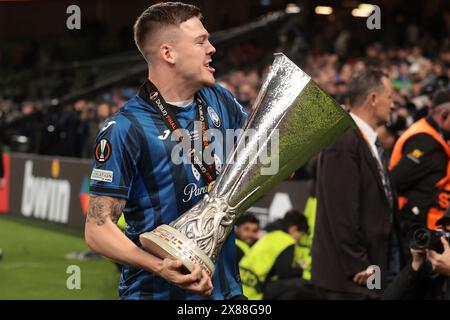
x=102, y=208
x=103, y=236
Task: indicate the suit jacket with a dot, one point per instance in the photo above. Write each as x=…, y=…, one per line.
x=354, y=219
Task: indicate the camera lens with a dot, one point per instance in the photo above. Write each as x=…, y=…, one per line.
x=421, y=238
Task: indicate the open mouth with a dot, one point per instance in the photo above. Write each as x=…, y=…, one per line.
x=210, y=69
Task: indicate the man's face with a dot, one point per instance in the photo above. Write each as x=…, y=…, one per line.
x=295, y=233
x=444, y=121
x=192, y=53
x=248, y=232
x=103, y=111
x=384, y=102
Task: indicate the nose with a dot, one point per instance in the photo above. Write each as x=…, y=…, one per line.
x=392, y=106
x=211, y=50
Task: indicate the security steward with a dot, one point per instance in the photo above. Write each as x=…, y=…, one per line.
x=420, y=168
x=272, y=270
x=247, y=229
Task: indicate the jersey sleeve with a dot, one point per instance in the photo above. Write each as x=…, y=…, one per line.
x=236, y=112
x=113, y=163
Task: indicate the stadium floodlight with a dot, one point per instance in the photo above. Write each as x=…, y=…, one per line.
x=366, y=6
x=323, y=10
x=292, y=8
x=363, y=11
x=360, y=13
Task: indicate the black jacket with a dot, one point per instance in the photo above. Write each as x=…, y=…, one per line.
x=354, y=219
x=423, y=284
x=423, y=164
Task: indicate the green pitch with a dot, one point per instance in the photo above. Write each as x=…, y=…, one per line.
x=34, y=266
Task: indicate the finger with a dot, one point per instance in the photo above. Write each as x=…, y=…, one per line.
x=432, y=255
x=356, y=277
x=433, y=263
x=203, y=286
x=210, y=283
x=364, y=282
x=418, y=251
x=433, y=258
x=445, y=244
x=196, y=273
x=209, y=292
x=208, y=280
x=178, y=277
x=193, y=277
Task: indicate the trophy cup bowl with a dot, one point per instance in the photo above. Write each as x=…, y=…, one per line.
x=290, y=112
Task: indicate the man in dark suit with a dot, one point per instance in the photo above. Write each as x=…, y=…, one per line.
x=356, y=203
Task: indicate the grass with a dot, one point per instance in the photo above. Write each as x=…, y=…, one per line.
x=34, y=264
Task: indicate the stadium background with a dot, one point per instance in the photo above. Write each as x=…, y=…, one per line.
x=58, y=86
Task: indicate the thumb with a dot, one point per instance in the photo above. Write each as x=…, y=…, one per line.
x=173, y=264
x=370, y=270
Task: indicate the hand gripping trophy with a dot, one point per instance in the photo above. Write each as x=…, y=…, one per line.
x=291, y=108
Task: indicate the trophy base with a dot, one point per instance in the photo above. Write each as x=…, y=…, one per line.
x=167, y=242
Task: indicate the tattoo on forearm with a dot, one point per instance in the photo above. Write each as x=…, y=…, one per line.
x=102, y=207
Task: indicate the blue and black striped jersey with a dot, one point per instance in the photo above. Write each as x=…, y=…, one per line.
x=133, y=161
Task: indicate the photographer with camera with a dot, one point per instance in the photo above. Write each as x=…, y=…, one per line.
x=428, y=275
x=420, y=168
x=440, y=259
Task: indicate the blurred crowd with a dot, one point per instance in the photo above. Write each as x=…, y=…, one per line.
x=414, y=76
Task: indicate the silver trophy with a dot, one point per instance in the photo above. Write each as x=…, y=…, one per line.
x=304, y=119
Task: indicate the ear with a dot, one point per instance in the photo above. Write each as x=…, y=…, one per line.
x=373, y=98
x=167, y=53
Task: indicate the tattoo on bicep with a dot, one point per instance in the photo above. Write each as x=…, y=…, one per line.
x=102, y=207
